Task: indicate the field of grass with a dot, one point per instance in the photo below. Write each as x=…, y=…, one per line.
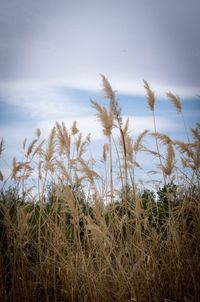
x=72, y=232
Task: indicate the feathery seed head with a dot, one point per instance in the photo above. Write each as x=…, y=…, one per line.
x=106, y=118
x=1, y=176
x=38, y=132
x=163, y=138
x=129, y=148
x=1, y=146
x=175, y=100
x=150, y=95
x=74, y=128
x=167, y=169
x=137, y=144
x=50, y=146
x=125, y=130
x=31, y=146
x=108, y=91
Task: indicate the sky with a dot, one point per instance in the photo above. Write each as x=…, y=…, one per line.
x=53, y=52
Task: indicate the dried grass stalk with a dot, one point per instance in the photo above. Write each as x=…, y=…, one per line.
x=74, y=128
x=105, y=118
x=163, y=138
x=169, y=164
x=108, y=91
x=2, y=146
x=137, y=144
x=150, y=95
x=175, y=101
x=50, y=146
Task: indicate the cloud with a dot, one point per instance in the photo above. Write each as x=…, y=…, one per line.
x=72, y=42
x=42, y=100
x=47, y=45
x=89, y=124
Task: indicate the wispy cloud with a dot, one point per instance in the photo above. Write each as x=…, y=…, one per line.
x=89, y=124
x=42, y=100
x=51, y=55
x=72, y=42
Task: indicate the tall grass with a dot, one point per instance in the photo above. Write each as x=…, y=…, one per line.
x=78, y=236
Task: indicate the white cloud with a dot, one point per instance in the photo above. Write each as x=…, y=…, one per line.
x=72, y=42
x=89, y=124
x=42, y=99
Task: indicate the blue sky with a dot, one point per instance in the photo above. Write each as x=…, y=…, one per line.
x=51, y=55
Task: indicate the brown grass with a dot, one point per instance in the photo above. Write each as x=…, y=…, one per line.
x=79, y=236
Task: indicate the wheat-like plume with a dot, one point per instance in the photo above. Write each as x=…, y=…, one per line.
x=185, y=162
x=126, y=142
x=114, y=106
x=1, y=146
x=67, y=139
x=31, y=146
x=61, y=138
x=50, y=146
x=196, y=134
x=126, y=127
x=175, y=100
x=78, y=142
x=38, y=150
x=18, y=166
x=64, y=139
x=74, y=128
x=169, y=164
x=108, y=91
x=90, y=174
x=129, y=148
x=38, y=132
x=137, y=144
x=40, y=169
x=82, y=148
x=105, y=117
x=63, y=170
x=163, y=138
x=150, y=95
x=185, y=148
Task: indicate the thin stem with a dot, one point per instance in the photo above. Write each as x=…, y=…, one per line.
x=111, y=168
x=185, y=127
x=155, y=130
x=120, y=169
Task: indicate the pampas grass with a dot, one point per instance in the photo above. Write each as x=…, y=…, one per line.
x=177, y=104
x=151, y=103
x=81, y=235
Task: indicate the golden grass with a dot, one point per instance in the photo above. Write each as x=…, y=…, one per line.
x=81, y=237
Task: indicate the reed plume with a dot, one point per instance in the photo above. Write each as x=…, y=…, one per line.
x=105, y=118
x=175, y=101
x=169, y=164
x=2, y=148
x=151, y=102
x=150, y=95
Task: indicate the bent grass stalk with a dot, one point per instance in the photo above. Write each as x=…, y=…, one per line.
x=151, y=102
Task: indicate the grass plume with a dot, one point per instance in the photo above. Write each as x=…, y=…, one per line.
x=71, y=231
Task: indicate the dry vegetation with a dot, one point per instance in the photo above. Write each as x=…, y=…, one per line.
x=81, y=237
